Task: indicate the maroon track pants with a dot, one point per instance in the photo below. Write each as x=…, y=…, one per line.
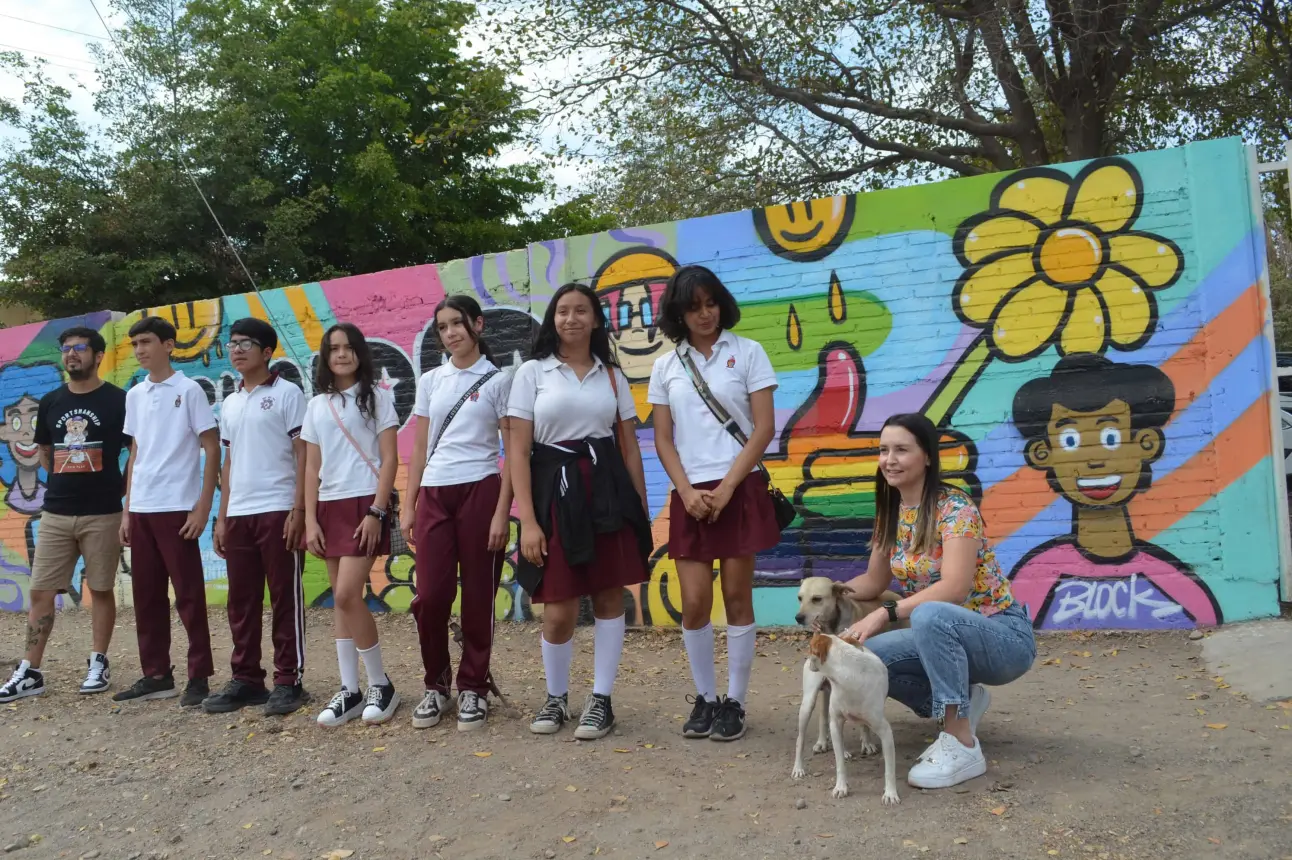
x=452, y=532
x=159, y=554
x=257, y=554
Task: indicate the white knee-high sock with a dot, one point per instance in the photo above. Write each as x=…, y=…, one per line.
x=608, y=639
x=740, y=659
x=556, y=666
x=699, y=650
x=372, y=665
x=347, y=659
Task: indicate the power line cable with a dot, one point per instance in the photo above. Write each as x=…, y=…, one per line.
x=53, y=27
x=23, y=50
x=188, y=171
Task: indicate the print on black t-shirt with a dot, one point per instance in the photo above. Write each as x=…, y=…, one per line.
x=85, y=435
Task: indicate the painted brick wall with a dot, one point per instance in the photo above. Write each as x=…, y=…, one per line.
x=1093, y=338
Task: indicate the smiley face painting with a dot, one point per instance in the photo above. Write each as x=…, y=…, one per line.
x=1095, y=427
x=630, y=285
x=807, y=231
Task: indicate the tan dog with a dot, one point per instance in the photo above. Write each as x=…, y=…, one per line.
x=859, y=681
x=826, y=606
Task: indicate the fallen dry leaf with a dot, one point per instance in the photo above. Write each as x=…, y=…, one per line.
x=378, y=749
x=483, y=754
x=960, y=840
x=568, y=839
x=1000, y=810
x=663, y=843
x=1217, y=726
x=339, y=854
x=622, y=750
x=1213, y=840
x=649, y=746
x=825, y=835
x=571, y=788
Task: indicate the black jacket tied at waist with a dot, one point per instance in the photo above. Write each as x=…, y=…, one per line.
x=557, y=479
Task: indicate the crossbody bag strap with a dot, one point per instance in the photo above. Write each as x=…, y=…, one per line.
x=336, y=416
x=454, y=411
x=719, y=411
x=619, y=421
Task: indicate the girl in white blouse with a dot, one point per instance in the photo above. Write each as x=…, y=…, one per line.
x=350, y=463
x=720, y=511
x=458, y=516
x=584, y=525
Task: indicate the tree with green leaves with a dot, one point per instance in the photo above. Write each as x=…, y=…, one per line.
x=814, y=96
x=331, y=137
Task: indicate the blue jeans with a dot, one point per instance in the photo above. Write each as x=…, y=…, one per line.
x=948, y=647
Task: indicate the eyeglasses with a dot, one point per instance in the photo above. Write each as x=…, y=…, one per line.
x=242, y=345
x=74, y=347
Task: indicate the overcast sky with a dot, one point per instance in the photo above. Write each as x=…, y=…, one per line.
x=39, y=29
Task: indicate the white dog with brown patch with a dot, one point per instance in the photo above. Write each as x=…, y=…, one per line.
x=826, y=606
x=859, y=686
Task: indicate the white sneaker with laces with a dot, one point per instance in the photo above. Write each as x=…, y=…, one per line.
x=431, y=710
x=946, y=763
x=24, y=682
x=473, y=711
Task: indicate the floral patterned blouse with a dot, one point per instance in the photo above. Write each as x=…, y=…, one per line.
x=958, y=516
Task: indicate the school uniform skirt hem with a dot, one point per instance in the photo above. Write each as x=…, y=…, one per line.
x=338, y=519
x=746, y=526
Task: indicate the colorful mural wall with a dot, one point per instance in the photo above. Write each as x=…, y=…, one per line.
x=1091, y=338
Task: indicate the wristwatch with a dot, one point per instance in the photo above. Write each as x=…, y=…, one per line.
x=891, y=606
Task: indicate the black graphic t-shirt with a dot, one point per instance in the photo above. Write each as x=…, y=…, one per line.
x=85, y=433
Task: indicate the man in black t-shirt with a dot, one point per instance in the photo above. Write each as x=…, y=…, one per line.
x=79, y=430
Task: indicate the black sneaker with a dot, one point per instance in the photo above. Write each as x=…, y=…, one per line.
x=701, y=722
x=597, y=720
x=728, y=720
x=382, y=703
x=24, y=682
x=235, y=695
x=286, y=699
x=98, y=676
x=344, y=707
x=554, y=714
x=146, y=689
x=473, y=711
x=195, y=693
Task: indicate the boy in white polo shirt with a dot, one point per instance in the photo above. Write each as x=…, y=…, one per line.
x=168, y=503
x=261, y=523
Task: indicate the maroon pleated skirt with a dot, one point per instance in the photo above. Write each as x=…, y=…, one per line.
x=339, y=519
x=746, y=526
x=618, y=560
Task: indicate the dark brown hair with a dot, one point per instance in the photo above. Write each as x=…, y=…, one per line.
x=888, y=500
x=681, y=294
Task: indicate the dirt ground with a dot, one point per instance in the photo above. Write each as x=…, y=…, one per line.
x=1113, y=746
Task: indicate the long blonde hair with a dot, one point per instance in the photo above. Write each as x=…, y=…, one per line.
x=888, y=500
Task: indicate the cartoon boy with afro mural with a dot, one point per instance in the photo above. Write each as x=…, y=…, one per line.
x=1095, y=427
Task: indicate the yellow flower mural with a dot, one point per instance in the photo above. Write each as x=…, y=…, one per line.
x=1056, y=256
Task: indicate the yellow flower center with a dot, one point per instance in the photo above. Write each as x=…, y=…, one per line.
x=1071, y=255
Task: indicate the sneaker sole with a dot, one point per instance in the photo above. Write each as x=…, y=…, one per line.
x=152, y=697
x=473, y=725
x=24, y=694
x=92, y=690
x=334, y=722
x=232, y=706
x=693, y=734
x=545, y=728
x=386, y=715
x=585, y=734
x=427, y=722
x=726, y=738
x=973, y=771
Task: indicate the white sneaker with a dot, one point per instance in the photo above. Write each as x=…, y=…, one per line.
x=381, y=703
x=946, y=763
x=24, y=682
x=979, y=702
x=99, y=676
x=431, y=710
x=473, y=711
x=344, y=707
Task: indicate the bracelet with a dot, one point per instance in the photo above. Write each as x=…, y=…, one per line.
x=377, y=512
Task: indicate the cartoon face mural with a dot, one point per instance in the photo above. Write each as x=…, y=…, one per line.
x=1094, y=428
x=1135, y=490
x=808, y=231
x=20, y=467
x=630, y=285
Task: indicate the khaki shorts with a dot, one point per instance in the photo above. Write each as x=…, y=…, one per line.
x=62, y=540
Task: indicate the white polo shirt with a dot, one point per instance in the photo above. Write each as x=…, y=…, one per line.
x=343, y=474
x=468, y=450
x=563, y=408
x=738, y=367
x=165, y=419
x=257, y=427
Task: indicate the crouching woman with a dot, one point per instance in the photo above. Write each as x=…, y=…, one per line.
x=966, y=630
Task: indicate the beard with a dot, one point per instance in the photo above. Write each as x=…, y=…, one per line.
x=82, y=373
